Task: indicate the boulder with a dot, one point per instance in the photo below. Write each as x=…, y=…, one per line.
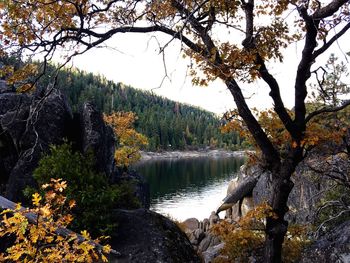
x=195, y=236
x=334, y=246
x=98, y=137
x=209, y=241
x=199, y=235
x=191, y=224
x=308, y=189
x=145, y=236
x=247, y=205
x=141, y=187
x=205, y=224
x=213, y=219
x=213, y=252
x=262, y=190
x=14, y=112
x=31, y=124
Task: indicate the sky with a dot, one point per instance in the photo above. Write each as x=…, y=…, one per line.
x=134, y=60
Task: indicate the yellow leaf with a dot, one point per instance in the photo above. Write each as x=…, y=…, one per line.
x=72, y=203
x=36, y=198
x=85, y=234
x=104, y=258
x=18, y=207
x=106, y=249
x=45, y=211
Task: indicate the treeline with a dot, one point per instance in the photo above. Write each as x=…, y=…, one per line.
x=169, y=125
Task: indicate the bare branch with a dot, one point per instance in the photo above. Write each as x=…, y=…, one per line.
x=327, y=110
x=276, y=96
x=331, y=41
x=329, y=9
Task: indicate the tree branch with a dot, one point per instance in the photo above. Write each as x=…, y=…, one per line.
x=248, y=8
x=203, y=33
x=331, y=41
x=270, y=153
x=61, y=231
x=303, y=71
x=329, y=9
x=276, y=96
x=327, y=109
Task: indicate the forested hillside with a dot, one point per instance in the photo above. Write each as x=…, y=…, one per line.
x=169, y=125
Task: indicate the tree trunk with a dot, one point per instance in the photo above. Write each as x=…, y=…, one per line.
x=276, y=227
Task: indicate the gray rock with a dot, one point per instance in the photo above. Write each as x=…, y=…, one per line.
x=332, y=247
x=209, y=241
x=262, y=190
x=213, y=219
x=99, y=137
x=192, y=238
x=211, y=253
x=191, y=224
x=145, y=236
x=32, y=129
x=204, y=244
x=30, y=123
x=205, y=224
x=4, y=88
x=199, y=234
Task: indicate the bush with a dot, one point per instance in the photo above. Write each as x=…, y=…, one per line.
x=95, y=197
x=39, y=233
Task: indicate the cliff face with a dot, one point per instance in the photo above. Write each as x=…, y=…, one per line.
x=322, y=170
x=29, y=124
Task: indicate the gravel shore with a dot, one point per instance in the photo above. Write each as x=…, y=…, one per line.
x=190, y=154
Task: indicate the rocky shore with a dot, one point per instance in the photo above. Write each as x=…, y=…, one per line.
x=251, y=187
x=218, y=153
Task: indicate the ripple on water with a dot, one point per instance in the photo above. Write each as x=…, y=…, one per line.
x=189, y=188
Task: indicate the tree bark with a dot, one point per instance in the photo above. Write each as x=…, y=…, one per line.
x=276, y=227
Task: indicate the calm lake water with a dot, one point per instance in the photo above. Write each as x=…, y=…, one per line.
x=192, y=187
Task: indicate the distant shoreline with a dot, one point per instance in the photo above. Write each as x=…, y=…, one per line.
x=145, y=156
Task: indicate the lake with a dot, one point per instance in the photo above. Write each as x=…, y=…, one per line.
x=188, y=187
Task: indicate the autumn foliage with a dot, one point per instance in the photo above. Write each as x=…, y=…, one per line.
x=41, y=241
x=234, y=41
x=130, y=141
x=246, y=237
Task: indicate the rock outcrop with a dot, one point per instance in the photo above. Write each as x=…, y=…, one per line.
x=309, y=187
x=96, y=136
x=145, y=236
x=207, y=244
x=332, y=247
x=30, y=123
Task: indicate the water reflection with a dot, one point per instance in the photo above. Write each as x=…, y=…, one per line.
x=183, y=188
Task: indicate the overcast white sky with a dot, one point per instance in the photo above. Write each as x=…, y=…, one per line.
x=134, y=60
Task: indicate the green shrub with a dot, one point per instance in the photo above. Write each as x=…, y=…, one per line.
x=94, y=196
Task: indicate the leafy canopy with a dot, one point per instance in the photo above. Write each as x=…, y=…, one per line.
x=76, y=26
